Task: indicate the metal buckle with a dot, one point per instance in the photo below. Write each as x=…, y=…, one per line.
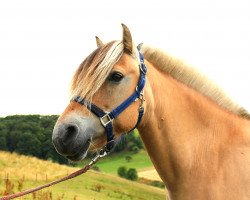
x=141, y=97
x=109, y=146
x=143, y=68
x=142, y=101
x=99, y=155
x=105, y=120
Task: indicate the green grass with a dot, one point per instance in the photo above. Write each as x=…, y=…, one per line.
x=89, y=186
x=111, y=163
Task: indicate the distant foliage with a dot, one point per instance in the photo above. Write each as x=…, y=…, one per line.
x=29, y=135
x=128, y=158
x=159, y=184
x=154, y=183
x=130, y=142
x=130, y=174
x=122, y=172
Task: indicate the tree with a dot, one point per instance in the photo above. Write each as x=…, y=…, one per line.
x=3, y=144
x=29, y=135
x=28, y=144
x=130, y=174
x=3, y=133
x=135, y=149
x=130, y=142
x=12, y=139
x=122, y=172
x=128, y=158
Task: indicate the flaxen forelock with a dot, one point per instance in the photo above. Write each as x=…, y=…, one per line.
x=95, y=69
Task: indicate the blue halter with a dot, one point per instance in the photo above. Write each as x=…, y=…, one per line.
x=106, y=118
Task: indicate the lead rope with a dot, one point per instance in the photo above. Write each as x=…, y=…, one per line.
x=101, y=154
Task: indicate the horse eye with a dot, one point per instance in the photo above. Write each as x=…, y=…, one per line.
x=116, y=77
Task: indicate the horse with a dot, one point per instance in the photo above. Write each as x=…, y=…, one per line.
x=197, y=138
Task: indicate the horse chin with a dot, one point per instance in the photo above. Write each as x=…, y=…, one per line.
x=98, y=143
x=81, y=153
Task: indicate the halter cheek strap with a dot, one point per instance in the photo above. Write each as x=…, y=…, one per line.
x=106, y=118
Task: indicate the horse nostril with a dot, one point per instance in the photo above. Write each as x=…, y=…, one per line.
x=71, y=131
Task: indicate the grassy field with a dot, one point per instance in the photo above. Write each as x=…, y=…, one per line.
x=92, y=185
x=110, y=164
x=150, y=174
x=140, y=161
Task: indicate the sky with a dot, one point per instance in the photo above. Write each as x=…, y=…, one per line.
x=43, y=42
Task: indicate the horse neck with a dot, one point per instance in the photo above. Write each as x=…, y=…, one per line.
x=182, y=130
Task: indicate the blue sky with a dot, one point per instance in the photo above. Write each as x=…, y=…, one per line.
x=43, y=42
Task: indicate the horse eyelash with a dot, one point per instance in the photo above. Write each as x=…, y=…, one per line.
x=111, y=77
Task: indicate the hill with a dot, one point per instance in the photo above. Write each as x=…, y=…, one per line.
x=111, y=163
x=32, y=172
x=140, y=161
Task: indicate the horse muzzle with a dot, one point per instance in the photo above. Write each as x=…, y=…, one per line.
x=72, y=138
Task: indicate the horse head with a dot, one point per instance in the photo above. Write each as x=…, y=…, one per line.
x=110, y=75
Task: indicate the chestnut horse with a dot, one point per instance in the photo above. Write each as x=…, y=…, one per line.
x=196, y=137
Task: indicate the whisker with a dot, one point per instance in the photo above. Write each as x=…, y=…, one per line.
x=93, y=145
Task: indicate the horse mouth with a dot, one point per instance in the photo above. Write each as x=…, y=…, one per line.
x=81, y=153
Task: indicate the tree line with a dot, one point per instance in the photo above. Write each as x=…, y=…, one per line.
x=31, y=135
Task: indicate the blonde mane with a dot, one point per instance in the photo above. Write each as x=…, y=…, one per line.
x=95, y=69
x=192, y=78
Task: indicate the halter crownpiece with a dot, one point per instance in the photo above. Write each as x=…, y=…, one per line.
x=106, y=118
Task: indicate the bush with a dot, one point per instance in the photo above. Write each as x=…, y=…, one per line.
x=135, y=149
x=122, y=172
x=158, y=184
x=128, y=158
x=132, y=174
x=129, y=141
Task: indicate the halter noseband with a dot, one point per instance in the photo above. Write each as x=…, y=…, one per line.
x=106, y=118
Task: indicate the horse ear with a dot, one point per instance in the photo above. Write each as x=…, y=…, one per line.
x=127, y=39
x=99, y=43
